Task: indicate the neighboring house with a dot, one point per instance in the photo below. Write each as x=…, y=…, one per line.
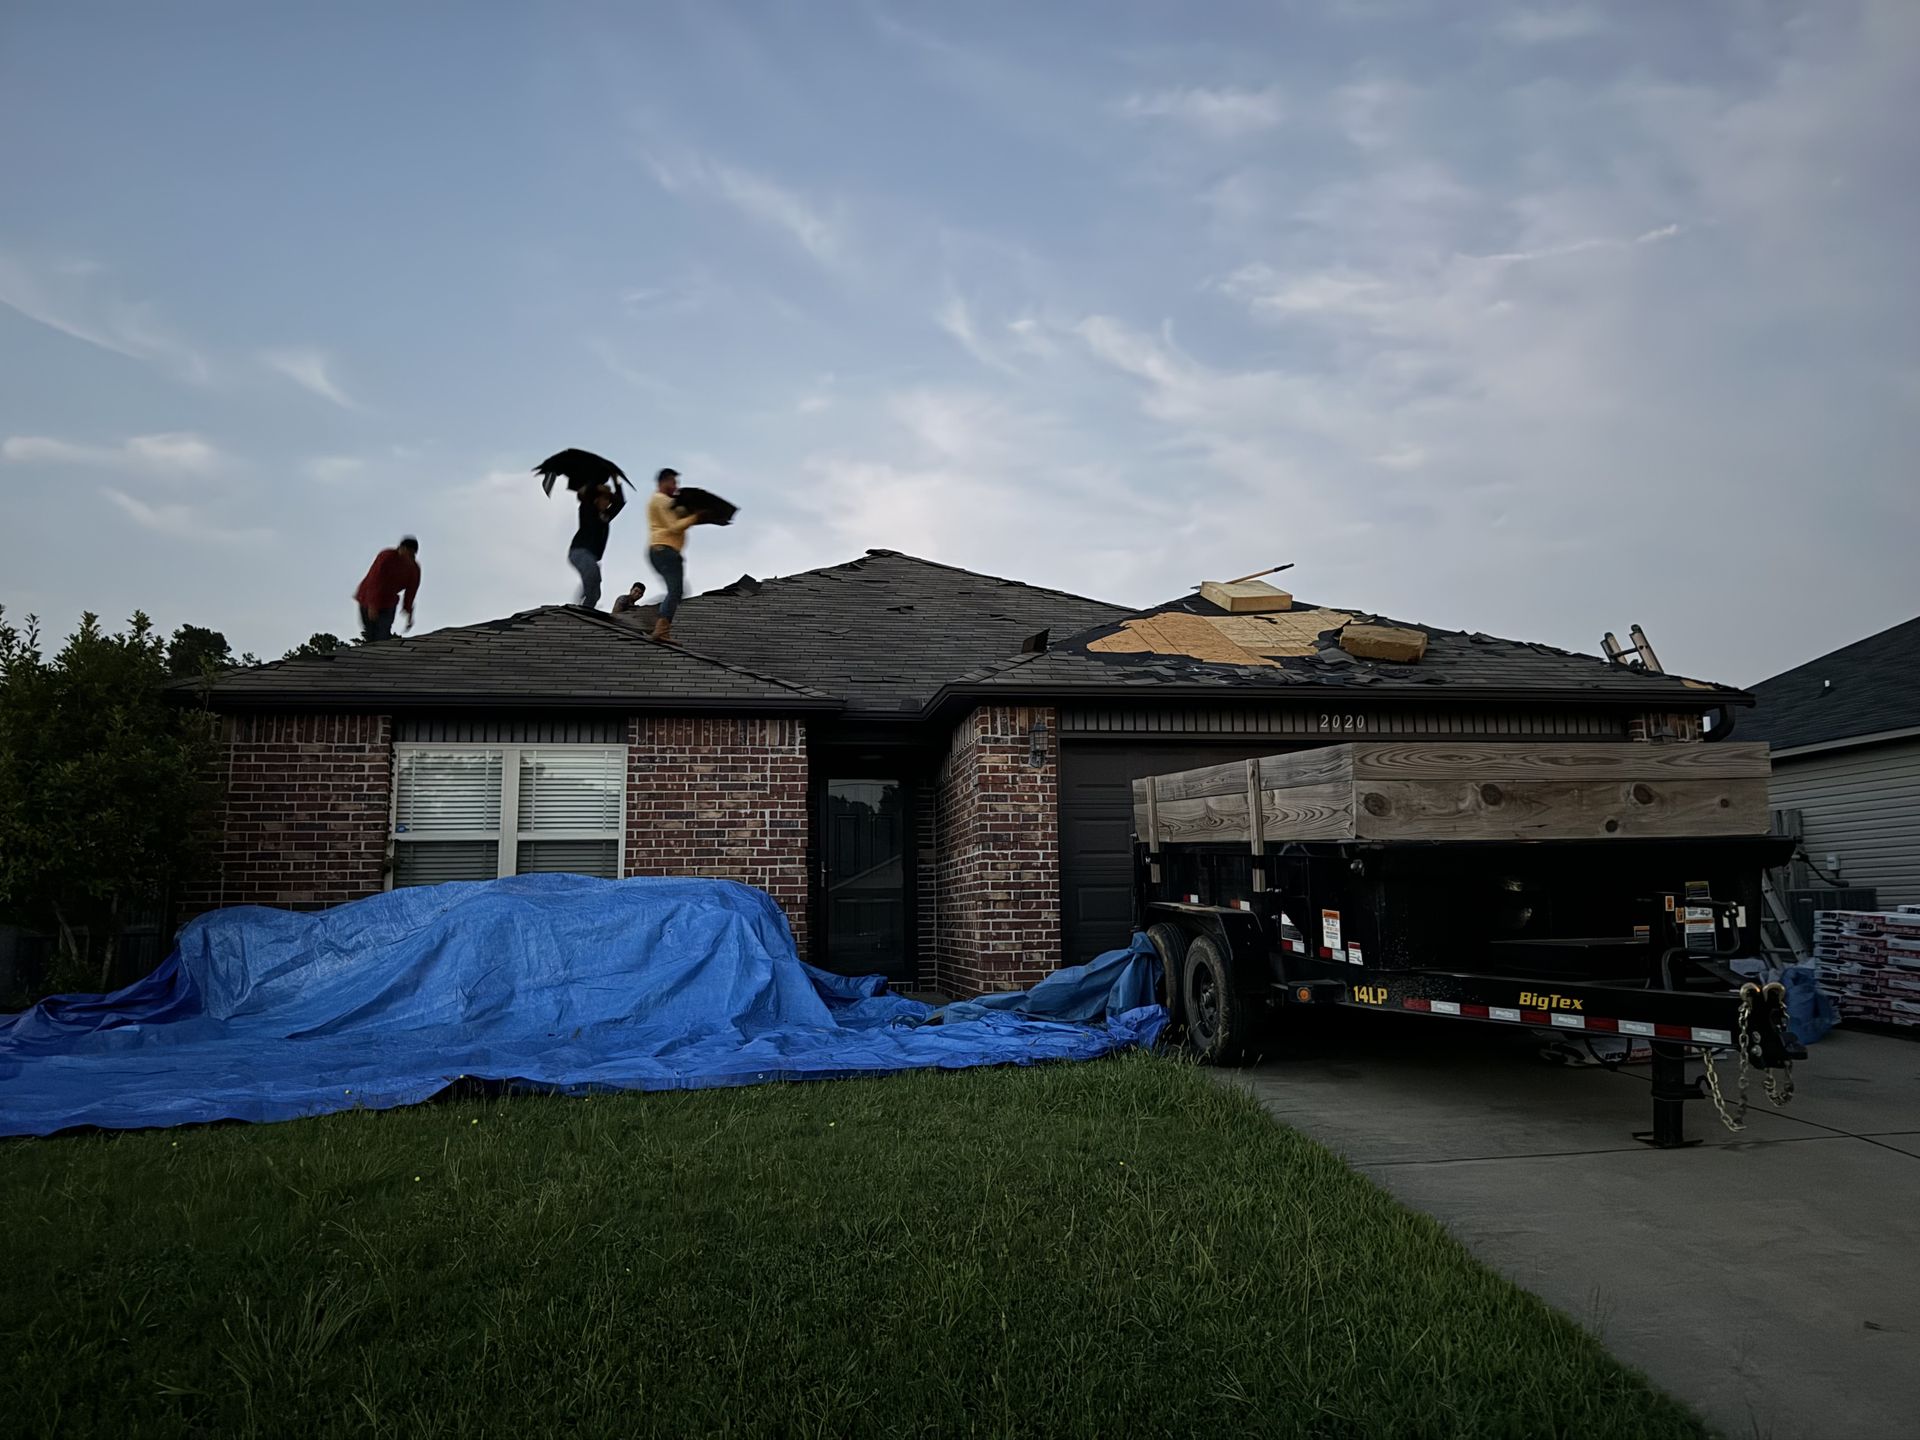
x=1845, y=732
x=929, y=769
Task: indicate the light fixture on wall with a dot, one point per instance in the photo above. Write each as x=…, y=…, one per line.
x=1037, y=744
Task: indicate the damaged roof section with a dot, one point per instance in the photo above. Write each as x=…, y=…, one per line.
x=1192, y=643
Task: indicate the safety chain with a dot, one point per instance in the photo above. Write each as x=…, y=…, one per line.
x=1779, y=1090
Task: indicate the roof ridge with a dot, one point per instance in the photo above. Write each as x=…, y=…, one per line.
x=884, y=554
x=634, y=632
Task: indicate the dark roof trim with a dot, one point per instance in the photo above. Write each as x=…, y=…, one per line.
x=386, y=703
x=951, y=697
x=1847, y=742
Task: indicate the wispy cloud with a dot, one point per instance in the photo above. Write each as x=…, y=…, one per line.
x=639, y=379
x=172, y=453
x=955, y=317
x=1223, y=112
x=71, y=297
x=1529, y=26
x=311, y=370
x=818, y=230
x=181, y=522
x=334, y=469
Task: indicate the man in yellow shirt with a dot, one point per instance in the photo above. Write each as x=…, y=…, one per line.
x=666, y=539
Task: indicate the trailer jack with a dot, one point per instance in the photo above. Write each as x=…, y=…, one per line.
x=1760, y=1042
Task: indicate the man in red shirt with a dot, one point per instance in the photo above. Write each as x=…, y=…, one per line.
x=394, y=575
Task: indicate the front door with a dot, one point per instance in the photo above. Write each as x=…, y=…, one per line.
x=865, y=828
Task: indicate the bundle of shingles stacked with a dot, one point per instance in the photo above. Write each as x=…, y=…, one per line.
x=1869, y=961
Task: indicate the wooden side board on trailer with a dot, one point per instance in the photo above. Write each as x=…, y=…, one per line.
x=1400, y=790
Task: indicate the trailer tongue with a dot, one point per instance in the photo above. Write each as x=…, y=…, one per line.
x=1583, y=890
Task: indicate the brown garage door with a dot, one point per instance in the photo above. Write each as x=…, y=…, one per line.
x=1096, y=829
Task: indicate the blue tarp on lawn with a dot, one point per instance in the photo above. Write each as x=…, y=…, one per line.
x=553, y=981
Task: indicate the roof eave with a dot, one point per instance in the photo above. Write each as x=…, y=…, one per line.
x=950, y=695
x=385, y=702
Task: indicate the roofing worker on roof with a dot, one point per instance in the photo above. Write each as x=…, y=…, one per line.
x=598, y=505
x=393, y=578
x=666, y=540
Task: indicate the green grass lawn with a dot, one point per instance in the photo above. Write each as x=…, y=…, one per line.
x=1120, y=1247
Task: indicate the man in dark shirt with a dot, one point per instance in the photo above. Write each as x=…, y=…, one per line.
x=598, y=506
x=393, y=576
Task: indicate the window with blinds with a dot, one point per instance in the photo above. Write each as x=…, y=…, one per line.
x=475, y=812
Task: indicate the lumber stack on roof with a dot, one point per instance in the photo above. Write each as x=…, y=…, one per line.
x=1394, y=790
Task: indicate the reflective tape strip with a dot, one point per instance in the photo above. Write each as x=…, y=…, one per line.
x=1243, y=905
x=1697, y=1034
x=1326, y=954
x=1193, y=899
x=1299, y=947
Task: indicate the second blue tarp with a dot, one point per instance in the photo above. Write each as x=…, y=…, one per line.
x=554, y=982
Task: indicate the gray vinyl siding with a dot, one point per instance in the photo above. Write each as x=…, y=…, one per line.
x=1862, y=805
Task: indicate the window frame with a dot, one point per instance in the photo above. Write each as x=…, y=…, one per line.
x=507, y=842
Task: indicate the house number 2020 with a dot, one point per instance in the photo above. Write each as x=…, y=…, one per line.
x=1342, y=721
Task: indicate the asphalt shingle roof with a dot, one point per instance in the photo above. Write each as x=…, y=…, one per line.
x=1866, y=688
x=883, y=632
x=556, y=655
x=889, y=635
x=1455, y=662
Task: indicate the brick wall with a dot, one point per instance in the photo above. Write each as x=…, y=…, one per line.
x=998, y=868
x=308, y=804
x=721, y=798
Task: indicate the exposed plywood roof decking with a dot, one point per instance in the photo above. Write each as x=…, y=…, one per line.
x=1222, y=639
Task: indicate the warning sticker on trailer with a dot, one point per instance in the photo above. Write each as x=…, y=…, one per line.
x=1698, y=923
x=1353, y=955
x=1290, y=935
x=1330, y=930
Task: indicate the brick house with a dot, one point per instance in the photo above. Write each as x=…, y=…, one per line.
x=928, y=768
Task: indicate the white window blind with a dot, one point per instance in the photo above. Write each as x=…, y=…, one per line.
x=571, y=792
x=448, y=793
x=476, y=812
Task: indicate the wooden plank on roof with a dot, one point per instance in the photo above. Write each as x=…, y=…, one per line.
x=1246, y=597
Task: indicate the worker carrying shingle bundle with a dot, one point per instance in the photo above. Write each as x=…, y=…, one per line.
x=671, y=512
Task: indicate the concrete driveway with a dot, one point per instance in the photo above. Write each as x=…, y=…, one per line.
x=1770, y=1278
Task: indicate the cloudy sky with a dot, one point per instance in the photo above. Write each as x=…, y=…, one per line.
x=1540, y=319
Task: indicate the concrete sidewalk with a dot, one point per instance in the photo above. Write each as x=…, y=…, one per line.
x=1769, y=1278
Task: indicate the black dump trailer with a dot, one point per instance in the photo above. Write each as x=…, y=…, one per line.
x=1577, y=889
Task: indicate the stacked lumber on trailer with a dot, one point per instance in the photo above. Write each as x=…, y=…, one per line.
x=1869, y=962
x=1394, y=790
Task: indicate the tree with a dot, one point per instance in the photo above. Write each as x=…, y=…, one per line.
x=319, y=643
x=108, y=792
x=194, y=651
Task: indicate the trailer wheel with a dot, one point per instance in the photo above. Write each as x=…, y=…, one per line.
x=1170, y=944
x=1216, y=1017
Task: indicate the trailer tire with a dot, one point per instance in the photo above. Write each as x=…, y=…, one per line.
x=1170, y=944
x=1216, y=1016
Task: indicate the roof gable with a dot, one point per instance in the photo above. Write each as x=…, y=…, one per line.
x=885, y=632
x=1867, y=688
x=555, y=655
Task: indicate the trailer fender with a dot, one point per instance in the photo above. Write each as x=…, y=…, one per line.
x=1237, y=934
